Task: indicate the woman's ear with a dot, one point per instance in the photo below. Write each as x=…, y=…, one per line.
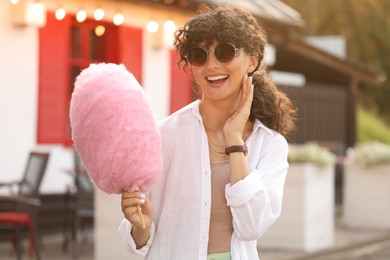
x=253, y=64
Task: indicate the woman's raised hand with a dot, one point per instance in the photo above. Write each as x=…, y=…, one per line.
x=235, y=125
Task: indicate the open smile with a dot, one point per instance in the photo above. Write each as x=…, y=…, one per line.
x=217, y=79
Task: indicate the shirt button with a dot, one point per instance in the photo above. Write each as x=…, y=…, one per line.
x=205, y=172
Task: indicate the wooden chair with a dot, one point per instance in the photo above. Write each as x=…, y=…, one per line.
x=19, y=210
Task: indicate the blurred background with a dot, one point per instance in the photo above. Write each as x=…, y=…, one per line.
x=364, y=26
x=331, y=57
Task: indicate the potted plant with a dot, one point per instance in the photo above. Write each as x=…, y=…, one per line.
x=367, y=187
x=307, y=219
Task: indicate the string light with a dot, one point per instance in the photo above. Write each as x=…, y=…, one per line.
x=152, y=26
x=36, y=13
x=81, y=16
x=60, y=13
x=118, y=19
x=98, y=14
x=37, y=7
x=100, y=30
x=14, y=2
x=170, y=26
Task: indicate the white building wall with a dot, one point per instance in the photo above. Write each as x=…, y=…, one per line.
x=18, y=106
x=18, y=94
x=156, y=76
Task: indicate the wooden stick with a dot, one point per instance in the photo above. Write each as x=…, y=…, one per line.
x=141, y=216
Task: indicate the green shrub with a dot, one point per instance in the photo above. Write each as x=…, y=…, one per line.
x=371, y=128
x=370, y=154
x=310, y=153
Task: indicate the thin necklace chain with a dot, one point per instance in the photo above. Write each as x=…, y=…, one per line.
x=214, y=149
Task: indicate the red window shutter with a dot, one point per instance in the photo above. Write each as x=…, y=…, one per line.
x=181, y=85
x=56, y=69
x=52, y=126
x=130, y=50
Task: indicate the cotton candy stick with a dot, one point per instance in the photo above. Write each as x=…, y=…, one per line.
x=141, y=216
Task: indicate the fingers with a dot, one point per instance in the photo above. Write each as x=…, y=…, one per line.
x=126, y=195
x=250, y=87
x=247, y=92
x=132, y=199
x=244, y=89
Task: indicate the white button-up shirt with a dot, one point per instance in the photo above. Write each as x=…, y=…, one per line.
x=181, y=198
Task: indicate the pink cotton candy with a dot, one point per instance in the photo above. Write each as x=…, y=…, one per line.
x=114, y=130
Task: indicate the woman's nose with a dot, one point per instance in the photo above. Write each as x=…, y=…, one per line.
x=212, y=60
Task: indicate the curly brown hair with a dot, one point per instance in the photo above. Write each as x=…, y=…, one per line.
x=237, y=26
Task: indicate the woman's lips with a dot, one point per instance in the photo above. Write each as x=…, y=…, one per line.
x=217, y=81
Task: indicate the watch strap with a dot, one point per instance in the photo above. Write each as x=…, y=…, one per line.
x=237, y=148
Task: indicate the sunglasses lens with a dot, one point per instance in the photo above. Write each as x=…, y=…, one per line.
x=225, y=52
x=197, y=56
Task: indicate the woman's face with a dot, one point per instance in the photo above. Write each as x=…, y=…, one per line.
x=220, y=80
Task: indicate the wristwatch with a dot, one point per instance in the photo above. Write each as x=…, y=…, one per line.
x=237, y=148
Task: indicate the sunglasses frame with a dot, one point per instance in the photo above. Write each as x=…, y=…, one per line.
x=236, y=49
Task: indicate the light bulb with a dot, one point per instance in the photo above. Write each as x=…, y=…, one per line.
x=98, y=14
x=36, y=13
x=170, y=26
x=60, y=13
x=152, y=26
x=14, y=2
x=100, y=30
x=118, y=19
x=81, y=16
x=37, y=8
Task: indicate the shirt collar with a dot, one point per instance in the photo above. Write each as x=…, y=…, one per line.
x=195, y=109
x=258, y=124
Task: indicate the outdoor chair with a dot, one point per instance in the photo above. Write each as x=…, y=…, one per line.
x=19, y=210
x=79, y=205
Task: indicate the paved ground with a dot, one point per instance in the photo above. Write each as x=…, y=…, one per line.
x=52, y=250
x=349, y=245
x=382, y=254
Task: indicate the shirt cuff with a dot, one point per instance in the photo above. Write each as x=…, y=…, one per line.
x=244, y=190
x=128, y=241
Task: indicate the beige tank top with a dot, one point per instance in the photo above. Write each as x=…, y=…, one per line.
x=221, y=221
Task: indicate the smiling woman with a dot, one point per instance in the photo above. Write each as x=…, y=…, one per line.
x=231, y=185
x=236, y=32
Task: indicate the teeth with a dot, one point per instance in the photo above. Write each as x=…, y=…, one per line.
x=217, y=77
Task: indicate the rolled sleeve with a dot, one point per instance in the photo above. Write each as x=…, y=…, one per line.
x=244, y=190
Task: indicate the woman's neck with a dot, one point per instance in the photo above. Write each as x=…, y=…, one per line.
x=215, y=113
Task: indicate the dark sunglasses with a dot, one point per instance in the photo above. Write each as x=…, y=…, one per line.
x=198, y=56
